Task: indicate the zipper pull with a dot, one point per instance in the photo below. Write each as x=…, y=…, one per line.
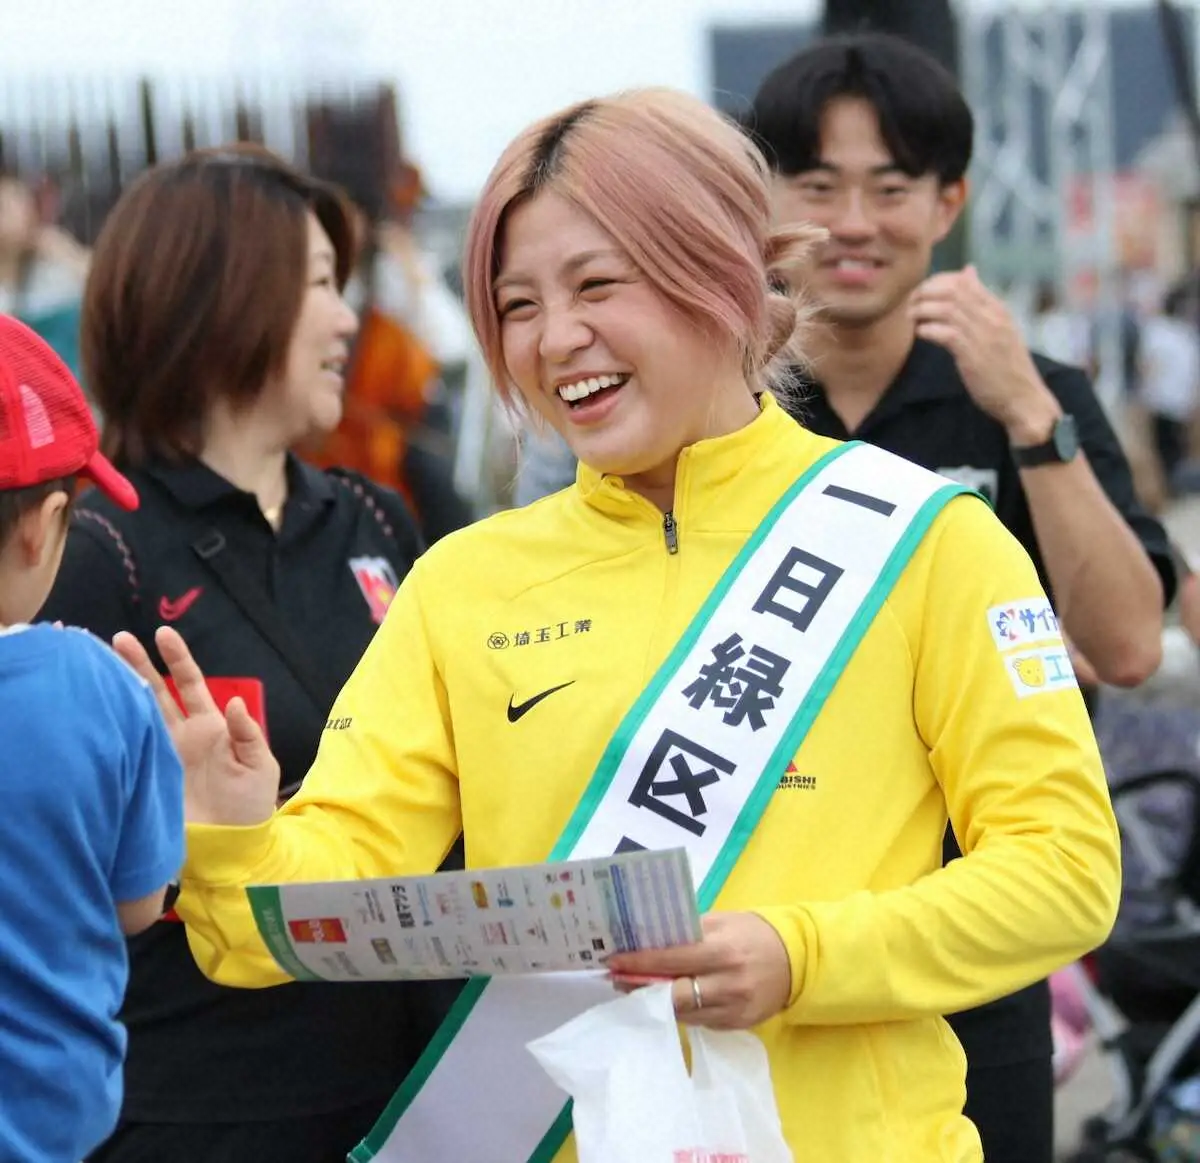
x=671, y=532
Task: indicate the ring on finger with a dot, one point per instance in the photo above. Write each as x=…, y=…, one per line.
x=697, y=996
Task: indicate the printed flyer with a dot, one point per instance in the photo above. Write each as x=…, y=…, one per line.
x=543, y=918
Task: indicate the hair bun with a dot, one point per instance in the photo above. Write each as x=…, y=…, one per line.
x=789, y=309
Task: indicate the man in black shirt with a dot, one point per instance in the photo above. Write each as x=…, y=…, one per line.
x=870, y=138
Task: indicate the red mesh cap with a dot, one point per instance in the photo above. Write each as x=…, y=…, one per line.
x=46, y=426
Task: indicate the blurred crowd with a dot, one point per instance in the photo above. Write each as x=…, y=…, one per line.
x=1152, y=387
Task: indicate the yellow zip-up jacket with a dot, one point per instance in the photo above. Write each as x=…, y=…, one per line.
x=932, y=714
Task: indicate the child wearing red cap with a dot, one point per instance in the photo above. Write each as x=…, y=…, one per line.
x=92, y=831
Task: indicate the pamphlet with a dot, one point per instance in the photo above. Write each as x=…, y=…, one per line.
x=541, y=918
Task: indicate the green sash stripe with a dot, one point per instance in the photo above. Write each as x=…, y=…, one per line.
x=556, y=1136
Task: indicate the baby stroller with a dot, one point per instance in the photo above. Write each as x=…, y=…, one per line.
x=1141, y=990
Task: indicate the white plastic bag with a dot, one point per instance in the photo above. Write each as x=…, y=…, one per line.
x=622, y=1063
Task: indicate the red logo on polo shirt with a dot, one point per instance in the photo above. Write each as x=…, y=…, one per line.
x=378, y=583
x=172, y=609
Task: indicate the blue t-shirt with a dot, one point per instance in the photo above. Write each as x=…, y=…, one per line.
x=91, y=814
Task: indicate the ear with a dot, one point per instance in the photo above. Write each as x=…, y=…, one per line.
x=951, y=199
x=40, y=531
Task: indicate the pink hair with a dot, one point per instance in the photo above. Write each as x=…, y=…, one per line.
x=682, y=190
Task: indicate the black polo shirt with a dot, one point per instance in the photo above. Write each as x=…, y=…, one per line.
x=927, y=416
x=198, y=1052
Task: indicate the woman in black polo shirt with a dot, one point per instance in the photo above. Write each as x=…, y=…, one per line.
x=215, y=339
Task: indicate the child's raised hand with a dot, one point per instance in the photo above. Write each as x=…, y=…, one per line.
x=232, y=777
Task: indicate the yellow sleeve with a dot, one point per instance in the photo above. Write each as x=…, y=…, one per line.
x=380, y=800
x=1026, y=794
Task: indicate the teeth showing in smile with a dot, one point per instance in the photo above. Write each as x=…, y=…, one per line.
x=584, y=388
x=337, y=366
x=855, y=264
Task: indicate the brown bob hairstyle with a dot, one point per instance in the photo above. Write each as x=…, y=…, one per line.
x=196, y=283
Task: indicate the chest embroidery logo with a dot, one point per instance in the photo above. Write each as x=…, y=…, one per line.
x=516, y=712
x=172, y=609
x=377, y=581
x=555, y=632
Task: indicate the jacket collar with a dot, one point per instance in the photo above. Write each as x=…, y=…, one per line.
x=710, y=468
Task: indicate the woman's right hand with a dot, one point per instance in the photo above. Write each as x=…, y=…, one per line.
x=231, y=776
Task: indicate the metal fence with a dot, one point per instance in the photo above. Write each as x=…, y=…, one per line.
x=79, y=139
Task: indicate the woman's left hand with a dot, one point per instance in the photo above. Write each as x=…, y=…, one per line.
x=739, y=973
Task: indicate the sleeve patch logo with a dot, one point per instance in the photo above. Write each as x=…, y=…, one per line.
x=1035, y=672
x=1023, y=622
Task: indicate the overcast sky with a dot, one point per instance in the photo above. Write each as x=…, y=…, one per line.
x=471, y=73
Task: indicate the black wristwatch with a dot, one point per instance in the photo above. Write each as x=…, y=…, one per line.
x=1061, y=448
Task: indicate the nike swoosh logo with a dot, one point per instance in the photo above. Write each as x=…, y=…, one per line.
x=171, y=610
x=515, y=713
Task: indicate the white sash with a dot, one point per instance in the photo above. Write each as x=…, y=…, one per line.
x=694, y=763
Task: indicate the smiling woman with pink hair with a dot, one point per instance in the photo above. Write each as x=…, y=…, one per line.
x=794, y=658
